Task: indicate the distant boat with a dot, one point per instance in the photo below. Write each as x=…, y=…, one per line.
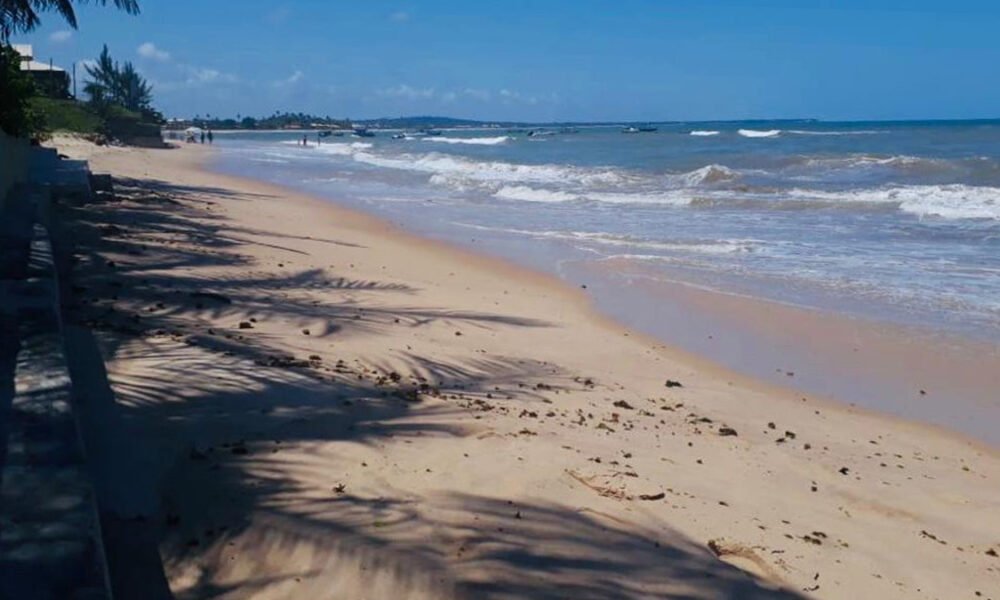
x=399, y=136
x=363, y=132
x=647, y=129
x=325, y=133
x=630, y=130
x=643, y=129
x=539, y=133
x=431, y=132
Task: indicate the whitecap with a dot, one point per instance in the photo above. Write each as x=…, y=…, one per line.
x=756, y=133
x=477, y=141
x=704, y=133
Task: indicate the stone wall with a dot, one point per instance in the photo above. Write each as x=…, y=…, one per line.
x=13, y=163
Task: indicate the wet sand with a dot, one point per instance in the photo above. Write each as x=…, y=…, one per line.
x=317, y=404
x=933, y=377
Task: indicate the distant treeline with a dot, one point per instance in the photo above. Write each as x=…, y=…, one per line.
x=275, y=121
x=289, y=120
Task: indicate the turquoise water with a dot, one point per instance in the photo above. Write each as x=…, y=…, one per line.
x=893, y=221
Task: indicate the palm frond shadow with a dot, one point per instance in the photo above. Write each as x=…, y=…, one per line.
x=194, y=444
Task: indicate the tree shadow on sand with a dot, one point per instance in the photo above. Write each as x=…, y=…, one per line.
x=211, y=451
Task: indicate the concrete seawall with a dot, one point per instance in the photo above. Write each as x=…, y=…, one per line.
x=14, y=154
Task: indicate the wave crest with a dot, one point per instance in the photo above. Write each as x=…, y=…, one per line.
x=477, y=141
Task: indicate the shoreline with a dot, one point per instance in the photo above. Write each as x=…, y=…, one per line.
x=546, y=406
x=882, y=350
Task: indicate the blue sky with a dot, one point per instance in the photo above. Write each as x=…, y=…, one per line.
x=554, y=59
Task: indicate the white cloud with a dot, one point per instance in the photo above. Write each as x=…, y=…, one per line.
x=292, y=79
x=483, y=95
x=514, y=96
x=400, y=16
x=408, y=92
x=60, y=37
x=149, y=50
x=191, y=77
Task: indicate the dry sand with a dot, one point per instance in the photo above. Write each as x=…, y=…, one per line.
x=399, y=419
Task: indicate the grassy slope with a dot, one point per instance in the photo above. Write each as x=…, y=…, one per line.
x=67, y=116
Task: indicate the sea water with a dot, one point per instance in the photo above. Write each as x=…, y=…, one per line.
x=895, y=221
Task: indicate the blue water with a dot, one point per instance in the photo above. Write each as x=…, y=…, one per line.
x=893, y=221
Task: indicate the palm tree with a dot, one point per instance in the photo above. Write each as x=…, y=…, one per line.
x=21, y=16
x=113, y=84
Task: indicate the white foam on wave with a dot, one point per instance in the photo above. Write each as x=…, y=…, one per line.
x=477, y=141
x=704, y=133
x=625, y=241
x=342, y=149
x=756, y=133
x=705, y=175
x=848, y=132
x=953, y=201
x=529, y=194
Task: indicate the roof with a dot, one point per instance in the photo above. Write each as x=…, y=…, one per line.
x=25, y=50
x=28, y=62
x=34, y=65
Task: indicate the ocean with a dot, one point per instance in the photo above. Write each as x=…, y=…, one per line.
x=892, y=223
x=896, y=221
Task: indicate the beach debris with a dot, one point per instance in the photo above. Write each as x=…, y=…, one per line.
x=305, y=332
x=671, y=383
x=727, y=431
x=992, y=552
x=844, y=470
x=623, y=404
x=245, y=325
x=656, y=496
x=931, y=536
x=339, y=488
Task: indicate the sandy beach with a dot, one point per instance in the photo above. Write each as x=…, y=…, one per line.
x=302, y=401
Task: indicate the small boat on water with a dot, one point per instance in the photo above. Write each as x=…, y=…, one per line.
x=325, y=133
x=630, y=130
x=643, y=129
x=540, y=133
x=399, y=136
x=647, y=129
x=363, y=132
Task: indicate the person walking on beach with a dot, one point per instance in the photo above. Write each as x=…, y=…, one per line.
x=211, y=137
x=305, y=140
x=202, y=136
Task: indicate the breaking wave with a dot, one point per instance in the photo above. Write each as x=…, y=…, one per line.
x=480, y=141
x=756, y=133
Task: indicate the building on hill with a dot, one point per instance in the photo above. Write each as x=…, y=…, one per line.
x=50, y=80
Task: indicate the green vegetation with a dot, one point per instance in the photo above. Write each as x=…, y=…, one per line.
x=67, y=116
x=112, y=84
x=23, y=112
x=16, y=115
x=278, y=120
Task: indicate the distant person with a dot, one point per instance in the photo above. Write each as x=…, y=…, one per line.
x=305, y=140
x=211, y=138
x=202, y=136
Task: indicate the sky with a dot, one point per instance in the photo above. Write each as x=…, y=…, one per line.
x=547, y=60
